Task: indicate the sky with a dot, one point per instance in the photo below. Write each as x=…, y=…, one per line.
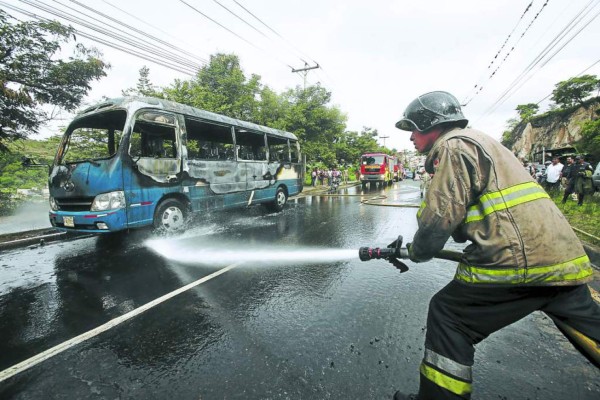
x=374, y=56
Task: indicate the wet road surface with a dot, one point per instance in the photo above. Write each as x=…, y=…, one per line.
x=279, y=330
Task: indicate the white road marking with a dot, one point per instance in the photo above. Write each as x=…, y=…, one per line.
x=51, y=352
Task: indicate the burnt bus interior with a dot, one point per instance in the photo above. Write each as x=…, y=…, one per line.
x=212, y=141
x=153, y=135
x=208, y=141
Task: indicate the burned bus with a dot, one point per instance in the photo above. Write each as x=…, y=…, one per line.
x=138, y=161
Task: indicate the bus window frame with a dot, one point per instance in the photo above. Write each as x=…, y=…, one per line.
x=249, y=133
x=176, y=130
x=202, y=121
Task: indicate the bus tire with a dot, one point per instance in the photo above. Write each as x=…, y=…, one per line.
x=170, y=217
x=280, y=200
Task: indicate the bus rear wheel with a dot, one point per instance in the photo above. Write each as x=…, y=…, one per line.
x=170, y=217
x=280, y=200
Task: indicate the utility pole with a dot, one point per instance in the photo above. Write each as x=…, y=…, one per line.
x=304, y=71
x=383, y=137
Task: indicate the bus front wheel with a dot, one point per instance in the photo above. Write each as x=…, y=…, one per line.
x=170, y=217
x=280, y=200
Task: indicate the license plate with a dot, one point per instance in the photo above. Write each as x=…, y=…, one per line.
x=68, y=221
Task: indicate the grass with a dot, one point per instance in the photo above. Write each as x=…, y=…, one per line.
x=585, y=217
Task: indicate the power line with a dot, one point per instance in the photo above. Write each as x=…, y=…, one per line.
x=99, y=40
x=579, y=74
x=479, y=88
x=201, y=59
x=169, y=45
x=173, y=56
x=139, y=43
x=240, y=18
x=555, y=41
x=230, y=31
x=275, y=32
x=477, y=84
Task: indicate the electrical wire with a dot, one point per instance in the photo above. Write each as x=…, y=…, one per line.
x=142, y=42
x=276, y=33
x=579, y=74
x=136, y=43
x=520, y=37
x=165, y=43
x=232, y=32
x=240, y=18
x=201, y=59
x=572, y=24
x=477, y=86
x=99, y=40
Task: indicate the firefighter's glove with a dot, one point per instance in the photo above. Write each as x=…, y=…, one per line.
x=411, y=254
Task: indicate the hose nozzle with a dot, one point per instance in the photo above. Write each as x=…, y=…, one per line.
x=392, y=253
x=370, y=253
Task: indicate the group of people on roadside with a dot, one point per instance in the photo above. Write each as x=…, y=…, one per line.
x=325, y=177
x=575, y=177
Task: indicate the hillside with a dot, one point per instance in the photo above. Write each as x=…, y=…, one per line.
x=551, y=130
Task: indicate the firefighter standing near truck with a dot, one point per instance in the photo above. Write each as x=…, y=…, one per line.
x=523, y=254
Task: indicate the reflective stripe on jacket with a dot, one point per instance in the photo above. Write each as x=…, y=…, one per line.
x=481, y=193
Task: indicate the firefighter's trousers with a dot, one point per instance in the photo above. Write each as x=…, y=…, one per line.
x=461, y=316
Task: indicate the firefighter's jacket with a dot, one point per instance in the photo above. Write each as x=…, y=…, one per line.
x=482, y=193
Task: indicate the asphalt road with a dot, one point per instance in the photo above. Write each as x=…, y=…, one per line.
x=294, y=316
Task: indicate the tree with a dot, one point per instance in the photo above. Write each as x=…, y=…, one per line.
x=353, y=144
x=590, y=141
x=144, y=87
x=575, y=90
x=526, y=111
x=508, y=136
x=220, y=87
x=30, y=76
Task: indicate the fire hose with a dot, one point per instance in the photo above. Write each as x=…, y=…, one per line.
x=394, y=253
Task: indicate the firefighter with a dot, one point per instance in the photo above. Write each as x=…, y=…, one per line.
x=523, y=255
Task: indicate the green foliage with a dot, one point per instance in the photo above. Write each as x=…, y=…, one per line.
x=526, y=111
x=31, y=75
x=222, y=87
x=143, y=87
x=575, y=90
x=584, y=218
x=508, y=137
x=590, y=141
x=14, y=176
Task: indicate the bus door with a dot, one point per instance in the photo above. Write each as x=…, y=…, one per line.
x=215, y=179
x=155, y=156
x=252, y=161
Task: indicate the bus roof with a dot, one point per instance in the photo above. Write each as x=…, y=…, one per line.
x=135, y=103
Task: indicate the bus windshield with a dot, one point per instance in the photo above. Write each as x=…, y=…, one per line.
x=94, y=137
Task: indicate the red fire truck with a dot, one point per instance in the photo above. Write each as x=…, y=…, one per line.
x=376, y=167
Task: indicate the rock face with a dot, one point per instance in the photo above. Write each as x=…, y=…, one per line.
x=552, y=130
